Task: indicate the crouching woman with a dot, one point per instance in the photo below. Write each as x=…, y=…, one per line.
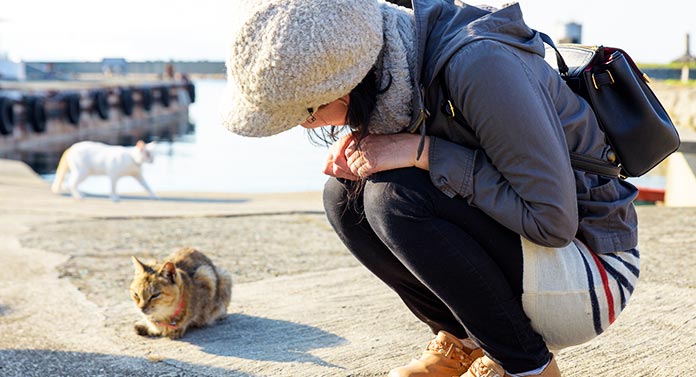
x=454, y=184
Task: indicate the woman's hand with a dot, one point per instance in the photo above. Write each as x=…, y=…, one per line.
x=385, y=152
x=336, y=162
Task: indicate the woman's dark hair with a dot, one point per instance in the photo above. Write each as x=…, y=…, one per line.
x=363, y=99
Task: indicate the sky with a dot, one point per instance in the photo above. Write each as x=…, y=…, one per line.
x=140, y=30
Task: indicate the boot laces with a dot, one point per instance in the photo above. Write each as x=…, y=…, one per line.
x=449, y=350
x=482, y=370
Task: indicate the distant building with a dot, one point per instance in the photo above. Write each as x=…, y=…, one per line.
x=9, y=69
x=114, y=66
x=571, y=32
x=37, y=70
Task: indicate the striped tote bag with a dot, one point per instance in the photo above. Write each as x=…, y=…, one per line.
x=572, y=294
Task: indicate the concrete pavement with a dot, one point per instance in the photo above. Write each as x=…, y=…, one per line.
x=301, y=305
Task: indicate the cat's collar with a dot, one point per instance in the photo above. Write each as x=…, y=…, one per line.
x=172, y=320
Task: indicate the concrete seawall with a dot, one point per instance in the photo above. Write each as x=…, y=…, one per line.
x=301, y=305
x=680, y=103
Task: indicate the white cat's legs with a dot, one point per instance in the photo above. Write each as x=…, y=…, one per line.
x=142, y=182
x=76, y=177
x=114, y=196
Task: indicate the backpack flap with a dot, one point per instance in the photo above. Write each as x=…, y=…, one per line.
x=637, y=126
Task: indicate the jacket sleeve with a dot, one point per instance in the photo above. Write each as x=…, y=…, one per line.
x=521, y=176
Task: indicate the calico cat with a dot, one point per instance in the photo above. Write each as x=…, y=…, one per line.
x=91, y=158
x=186, y=290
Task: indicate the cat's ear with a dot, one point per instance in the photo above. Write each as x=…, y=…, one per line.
x=140, y=145
x=151, y=145
x=168, y=271
x=140, y=267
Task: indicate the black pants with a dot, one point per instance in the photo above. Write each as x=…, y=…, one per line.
x=454, y=267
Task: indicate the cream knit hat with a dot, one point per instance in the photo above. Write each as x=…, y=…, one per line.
x=291, y=55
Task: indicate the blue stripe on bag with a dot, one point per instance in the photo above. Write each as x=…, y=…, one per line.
x=593, y=296
x=620, y=278
x=634, y=270
x=633, y=252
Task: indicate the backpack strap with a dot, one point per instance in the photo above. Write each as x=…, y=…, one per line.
x=594, y=165
x=562, y=66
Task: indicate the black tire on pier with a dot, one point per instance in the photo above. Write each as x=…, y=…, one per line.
x=127, y=103
x=191, y=89
x=73, y=109
x=35, y=109
x=146, y=98
x=100, y=101
x=6, y=116
x=165, y=98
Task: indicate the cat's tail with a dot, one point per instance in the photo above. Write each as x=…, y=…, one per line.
x=61, y=170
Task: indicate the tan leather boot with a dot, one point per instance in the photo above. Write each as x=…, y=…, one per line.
x=485, y=367
x=445, y=356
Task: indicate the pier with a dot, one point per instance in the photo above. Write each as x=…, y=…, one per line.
x=45, y=117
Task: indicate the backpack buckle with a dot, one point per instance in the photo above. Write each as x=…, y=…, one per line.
x=448, y=108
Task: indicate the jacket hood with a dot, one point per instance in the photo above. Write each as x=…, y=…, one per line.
x=442, y=27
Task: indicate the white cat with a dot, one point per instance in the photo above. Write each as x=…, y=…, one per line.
x=91, y=158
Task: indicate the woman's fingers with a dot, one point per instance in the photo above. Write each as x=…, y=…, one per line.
x=336, y=164
x=382, y=152
x=350, y=148
x=360, y=163
x=339, y=170
x=375, y=153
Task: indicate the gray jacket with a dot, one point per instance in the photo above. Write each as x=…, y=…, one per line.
x=512, y=160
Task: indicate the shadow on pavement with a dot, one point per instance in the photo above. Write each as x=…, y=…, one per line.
x=258, y=338
x=28, y=363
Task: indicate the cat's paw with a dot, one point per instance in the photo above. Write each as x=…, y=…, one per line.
x=141, y=329
x=176, y=334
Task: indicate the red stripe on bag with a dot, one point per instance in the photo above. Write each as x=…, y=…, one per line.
x=605, y=283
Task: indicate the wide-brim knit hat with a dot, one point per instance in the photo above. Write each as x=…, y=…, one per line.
x=289, y=56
